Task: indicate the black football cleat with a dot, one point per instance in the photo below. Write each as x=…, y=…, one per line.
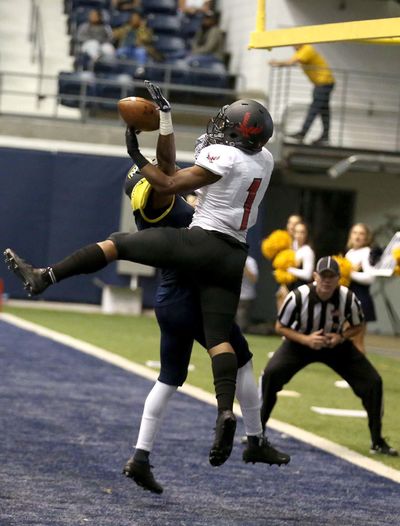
x=381, y=447
x=265, y=453
x=141, y=473
x=224, y=434
x=35, y=280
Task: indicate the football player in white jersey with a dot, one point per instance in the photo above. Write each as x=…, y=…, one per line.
x=232, y=172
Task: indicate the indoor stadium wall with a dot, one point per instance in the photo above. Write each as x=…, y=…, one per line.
x=54, y=203
x=239, y=20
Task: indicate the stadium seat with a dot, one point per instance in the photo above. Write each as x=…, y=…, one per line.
x=170, y=47
x=75, y=87
x=113, y=88
x=164, y=24
x=189, y=26
x=168, y=7
x=119, y=18
x=212, y=76
x=92, y=4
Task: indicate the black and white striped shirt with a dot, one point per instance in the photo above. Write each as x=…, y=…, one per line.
x=305, y=312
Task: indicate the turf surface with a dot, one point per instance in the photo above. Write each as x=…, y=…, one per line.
x=68, y=420
x=137, y=339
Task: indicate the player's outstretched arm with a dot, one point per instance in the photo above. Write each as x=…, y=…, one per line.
x=166, y=151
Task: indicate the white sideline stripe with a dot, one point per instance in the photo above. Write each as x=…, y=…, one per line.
x=288, y=429
x=331, y=411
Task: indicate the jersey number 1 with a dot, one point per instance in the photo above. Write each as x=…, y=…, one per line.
x=252, y=191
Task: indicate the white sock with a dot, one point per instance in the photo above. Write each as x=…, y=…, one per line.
x=247, y=395
x=153, y=413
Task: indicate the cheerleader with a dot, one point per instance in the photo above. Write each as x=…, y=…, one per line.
x=305, y=257
x=359, y=249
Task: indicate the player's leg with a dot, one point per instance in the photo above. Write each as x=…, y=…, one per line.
x=218, y=305
x=175, y=351
x=138, y=466
x=258, y=447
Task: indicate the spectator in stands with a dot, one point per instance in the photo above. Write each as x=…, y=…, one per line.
x=126, y=5
x=134, y=40
x=317, y=70
x=208, y=45
x=247, y=293
x=95, y=36
x=194, y=7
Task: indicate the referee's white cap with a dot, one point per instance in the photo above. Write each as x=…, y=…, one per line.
x=327, y=264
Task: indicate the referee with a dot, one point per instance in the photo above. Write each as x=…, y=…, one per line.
x=316, y=321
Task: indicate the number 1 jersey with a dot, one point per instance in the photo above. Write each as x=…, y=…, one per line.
x=231, y=204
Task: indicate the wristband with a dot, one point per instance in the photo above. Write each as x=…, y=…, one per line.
x=166, y=127
x=139, y=159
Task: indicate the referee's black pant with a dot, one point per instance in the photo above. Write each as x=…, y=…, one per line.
x=344, y=359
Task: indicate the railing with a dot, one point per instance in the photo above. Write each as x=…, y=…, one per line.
x=365, y=108
x=88, y=97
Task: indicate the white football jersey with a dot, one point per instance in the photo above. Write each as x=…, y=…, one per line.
x=231, y=204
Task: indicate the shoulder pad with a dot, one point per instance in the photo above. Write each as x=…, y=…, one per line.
x=140, y=194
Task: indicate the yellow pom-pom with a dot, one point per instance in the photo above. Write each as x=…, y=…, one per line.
x=284, y=259
x=277, y=241
x=345, y=268
x=283, y=277
x=396, y=255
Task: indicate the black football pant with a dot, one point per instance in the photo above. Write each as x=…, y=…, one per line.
x=344, y=359
x=212, y=260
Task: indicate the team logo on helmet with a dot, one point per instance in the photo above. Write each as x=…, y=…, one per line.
x=246, y=130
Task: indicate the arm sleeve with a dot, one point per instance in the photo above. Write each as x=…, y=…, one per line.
x=365, y=276
x=217, y=159
x=308, y=261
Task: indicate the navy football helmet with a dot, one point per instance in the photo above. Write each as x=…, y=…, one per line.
x=245, y=124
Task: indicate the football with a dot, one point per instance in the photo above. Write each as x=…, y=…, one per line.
x=139, y=113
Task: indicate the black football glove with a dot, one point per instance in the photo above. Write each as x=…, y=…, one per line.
x=133, y=148
x=157, y=96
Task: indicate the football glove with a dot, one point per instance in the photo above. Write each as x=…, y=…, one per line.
x=157, y=96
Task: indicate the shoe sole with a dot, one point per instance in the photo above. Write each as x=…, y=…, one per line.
x=139, y=481
x=12, y=264
x=256, y=461
x=221, y=452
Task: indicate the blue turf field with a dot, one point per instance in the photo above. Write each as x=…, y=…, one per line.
x=67, y=421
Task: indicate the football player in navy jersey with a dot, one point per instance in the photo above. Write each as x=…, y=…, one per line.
x=178, y=313
x=231, y=174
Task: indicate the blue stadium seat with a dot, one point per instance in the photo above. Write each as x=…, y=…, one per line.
x=119, y=18
x=160, y=6
x=93, y=4
x=75, y=87
x=114, y=88
x=212, y=76
x=164, y=24
x=189, y=26
x=170, y=47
